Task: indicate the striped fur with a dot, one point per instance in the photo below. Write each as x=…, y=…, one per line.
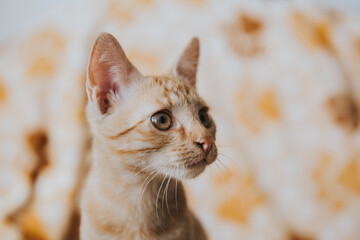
x=134, y=188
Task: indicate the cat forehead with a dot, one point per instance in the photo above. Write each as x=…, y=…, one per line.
x=172, y=92
x=174, y=84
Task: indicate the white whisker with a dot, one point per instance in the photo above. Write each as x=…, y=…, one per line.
x=167, y=189
x=157, y=197
x=151, y=176
x=131, y=177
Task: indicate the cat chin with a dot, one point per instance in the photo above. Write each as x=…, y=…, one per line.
x=195, y=169
x=190, y=172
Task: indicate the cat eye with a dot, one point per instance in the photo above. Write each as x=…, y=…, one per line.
x=161, y=120
x=204, y=117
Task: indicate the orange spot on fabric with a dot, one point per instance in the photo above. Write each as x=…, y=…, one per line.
x=196, y=1
x=233, y=210
x=43, y=53
x=345, y=111
x=323, y=36
x=267, y=105
x=33, y=228
x=73, y=226
x=247, y=196
x=244, y=35
x=322, y=193
x=313, y=32
x=224, y=178
x=320, y=169
x=52, y=38
x=357, y=46
x=41, y=66
x=319, y=174
x=250, y=25
x=350, y=176
x=248, y=122
x=297, y=236
x=244, y=111
x=81, y=115
x=338, y=205
x=38, y=144
x=119, y=12
x=45, y=41
x=2, y=91
x=146, y=1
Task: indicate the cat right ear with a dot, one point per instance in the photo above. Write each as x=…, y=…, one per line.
x=109, y=73
x=186, y=67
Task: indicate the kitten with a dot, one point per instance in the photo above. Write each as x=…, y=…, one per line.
x=149, y=133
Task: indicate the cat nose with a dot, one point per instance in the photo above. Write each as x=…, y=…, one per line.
x=205, y=144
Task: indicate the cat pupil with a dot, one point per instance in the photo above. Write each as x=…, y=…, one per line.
x=162, y=119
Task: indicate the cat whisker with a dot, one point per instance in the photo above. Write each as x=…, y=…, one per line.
x=226, y=156
x=135, y=174
x=152, y=175
x=232, y=160
x=156, y=202
x=243, y=200
x=220, y=153
x=211, y=171
x=163, y=195
x=217, y=165
x=223, y=153
x=220, y=169
x=223, y=164
x=167, y=190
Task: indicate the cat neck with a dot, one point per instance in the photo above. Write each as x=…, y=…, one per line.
x=156, y=201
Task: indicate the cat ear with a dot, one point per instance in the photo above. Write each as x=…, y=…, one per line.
x=186, y=67
x=109, y=72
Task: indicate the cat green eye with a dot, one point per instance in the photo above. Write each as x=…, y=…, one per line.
x=161, y=120
x=204, y=117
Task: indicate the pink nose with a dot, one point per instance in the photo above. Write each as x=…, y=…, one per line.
x=205, y=144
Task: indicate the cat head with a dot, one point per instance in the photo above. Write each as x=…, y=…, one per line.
x=156, y=124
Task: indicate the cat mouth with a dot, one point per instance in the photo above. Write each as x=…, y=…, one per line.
x=197, y=164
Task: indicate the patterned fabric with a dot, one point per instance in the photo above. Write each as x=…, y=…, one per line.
x=282, y=79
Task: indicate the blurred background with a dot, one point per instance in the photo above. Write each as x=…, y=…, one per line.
x=282, y=78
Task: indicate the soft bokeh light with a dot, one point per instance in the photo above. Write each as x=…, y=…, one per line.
x=282, y=80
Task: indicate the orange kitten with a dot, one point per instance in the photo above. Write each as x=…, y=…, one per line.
x=149, y=133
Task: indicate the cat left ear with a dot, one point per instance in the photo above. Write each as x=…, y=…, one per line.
x=110, y=72
x=186, y=66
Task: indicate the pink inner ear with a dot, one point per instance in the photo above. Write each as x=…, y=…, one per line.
x=110, y=72
x=100, y=75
